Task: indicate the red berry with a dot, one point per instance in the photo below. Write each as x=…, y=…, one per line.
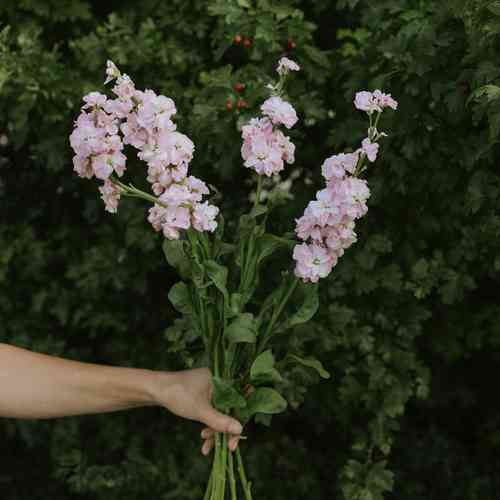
x=229, y=105
x=291, y=44
x=241, y=104
x=237, y=39
x=247, y=42
x=239, y=87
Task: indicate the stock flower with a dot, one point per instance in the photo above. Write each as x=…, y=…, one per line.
x=143, y=119
x=313, y=262
x=285, y=65
x=370, y=149
x=112, y=72
x=94, y=99
x=203, y=218
x=338, y=165
x=374, y=101
x=264, y=148
x=279, y=111
x=110, y=194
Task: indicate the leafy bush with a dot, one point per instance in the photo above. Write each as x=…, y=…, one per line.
x=409, y=327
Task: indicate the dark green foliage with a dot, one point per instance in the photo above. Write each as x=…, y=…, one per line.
x=408, y=324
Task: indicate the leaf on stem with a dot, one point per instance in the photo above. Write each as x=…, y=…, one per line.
x=258, y=210
x=242, y=329
x=262, y=400
x=267, y=244
x=218, y=276
x=180, y=298
x=177, y=256
x=263, y=370
x=307, y=309
x=225, y=396
x=313, y=363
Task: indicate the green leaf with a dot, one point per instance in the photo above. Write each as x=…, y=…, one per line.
x=242, y=329
x=494, y=8
x=312, y=363
x=225, y=396
x=263, y=371
x=265, y=400
x=306, y=311
x=177, y=257
x=267, y=244
x=258, y=210
x=218, y=276
x=180, y=298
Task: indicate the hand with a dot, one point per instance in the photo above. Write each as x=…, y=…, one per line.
x=188, y=394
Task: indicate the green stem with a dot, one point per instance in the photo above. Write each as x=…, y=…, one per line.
x=247, y=486
x=259, y=189
x=232, y=480
x=276, y=314
x=223, y=467
x=208, y=492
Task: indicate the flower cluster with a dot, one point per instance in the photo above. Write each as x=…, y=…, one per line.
x=265, y=148
x=374, y=101
x=143, y=120
x=327, y=226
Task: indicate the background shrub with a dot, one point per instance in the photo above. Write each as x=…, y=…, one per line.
x=409, y=325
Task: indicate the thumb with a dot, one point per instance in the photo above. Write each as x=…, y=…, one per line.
x=220, y=422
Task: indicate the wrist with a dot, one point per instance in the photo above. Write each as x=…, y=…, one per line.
x=158, y=386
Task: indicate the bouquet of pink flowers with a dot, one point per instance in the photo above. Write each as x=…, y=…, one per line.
x=217, y=294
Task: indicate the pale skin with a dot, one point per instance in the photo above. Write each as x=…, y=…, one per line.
x=38, y=386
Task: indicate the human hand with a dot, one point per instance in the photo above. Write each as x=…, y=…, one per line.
x=188, y=394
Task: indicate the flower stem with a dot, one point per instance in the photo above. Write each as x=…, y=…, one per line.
x=259, y=189
x=276, y=314
x=247, y=486
x=208, y=492
x=232, y=480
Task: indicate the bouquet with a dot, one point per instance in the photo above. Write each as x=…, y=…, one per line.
x=220, y=280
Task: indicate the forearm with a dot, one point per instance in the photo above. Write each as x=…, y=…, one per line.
x=35, y=385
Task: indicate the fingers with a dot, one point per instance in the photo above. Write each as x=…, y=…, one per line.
x=233, y=442
x=207, y=433
x=207, y=446
x=209, y=440
x=220, y=422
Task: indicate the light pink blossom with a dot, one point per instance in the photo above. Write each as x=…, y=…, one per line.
x=110, y=194
x=313, y=262
x=370, y=149
x=285, y=65
x=279, y=111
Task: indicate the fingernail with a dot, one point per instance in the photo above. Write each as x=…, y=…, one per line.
x=235, y=427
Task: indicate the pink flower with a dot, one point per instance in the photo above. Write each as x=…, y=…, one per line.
x=263, y=155
x=364, y=101
x=337, y=165
x=82, y=165
x=313, y=262
x=285, y=65
x=370, y=149
x=280, y=111
x=110, y=194
x=169, y=220
x=385, y=100
x=374, y=101
x=203, y=218
x=94, y=99
x=124, y=88
x=112, y=72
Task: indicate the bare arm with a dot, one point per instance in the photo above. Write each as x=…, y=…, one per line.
x=34, y=386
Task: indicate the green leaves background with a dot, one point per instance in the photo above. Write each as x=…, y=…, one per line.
x=408, y=323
